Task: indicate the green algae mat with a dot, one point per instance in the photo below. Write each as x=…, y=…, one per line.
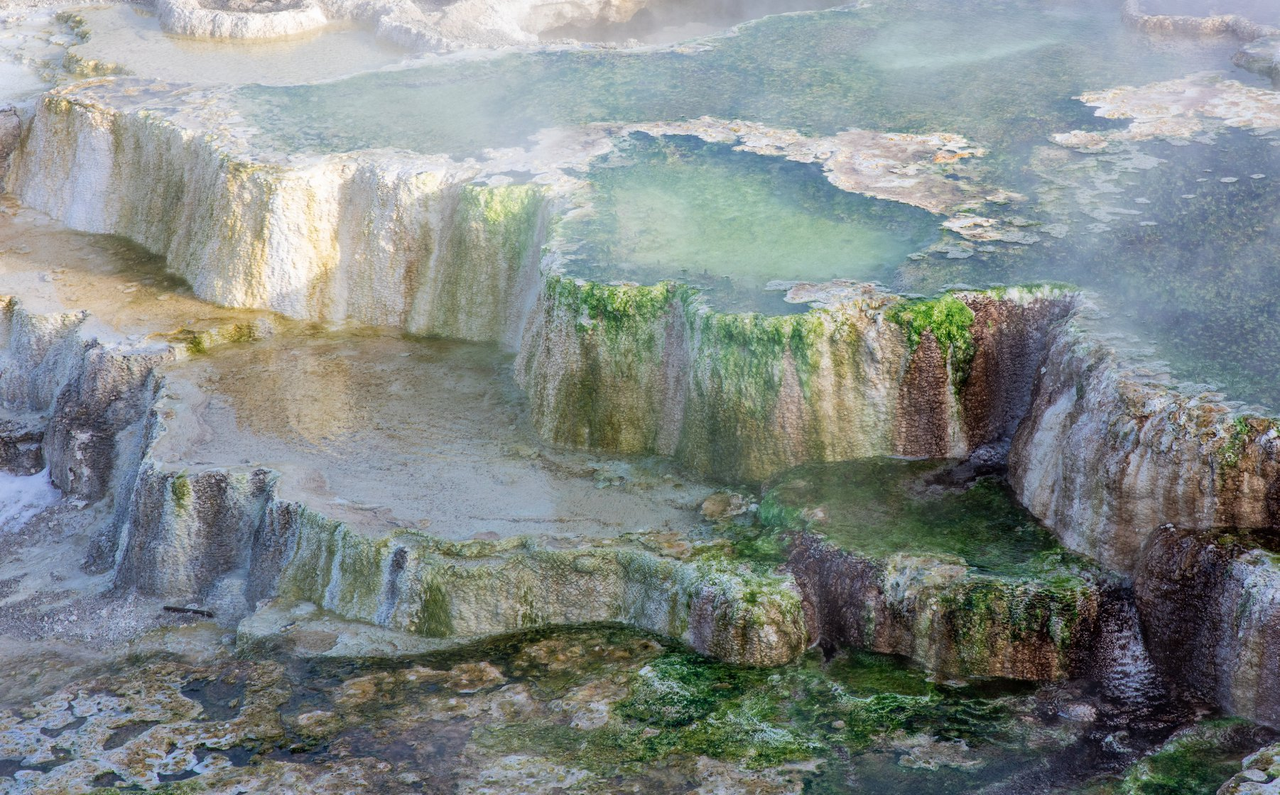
x=884, y=506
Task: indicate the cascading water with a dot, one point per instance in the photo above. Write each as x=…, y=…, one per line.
x=1122, y=663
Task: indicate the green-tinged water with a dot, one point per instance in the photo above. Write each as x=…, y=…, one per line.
x=879, y=507
x=902, y=65
x=730, y=222
x=1195, y=761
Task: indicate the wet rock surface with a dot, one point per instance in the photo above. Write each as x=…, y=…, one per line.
x=921, y=560
x=589, y=710
x=1209, y=602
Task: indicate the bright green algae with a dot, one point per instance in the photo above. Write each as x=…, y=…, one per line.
x=879, y=507
x=890, y=66
x=1196, y=761
x=632, y=712
x=677, y=703
x=729, y=222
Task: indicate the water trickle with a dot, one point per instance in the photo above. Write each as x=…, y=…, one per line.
x=1123, y=666
x=24, y=496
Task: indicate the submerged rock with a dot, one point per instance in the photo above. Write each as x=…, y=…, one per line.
x=1261, y=774
x=1187, y=25
x=1196, y=759
x=1261, y=57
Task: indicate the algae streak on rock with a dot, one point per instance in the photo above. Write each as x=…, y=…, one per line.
x=648, y=369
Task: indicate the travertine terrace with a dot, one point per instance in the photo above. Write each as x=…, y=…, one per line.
x=625, y=396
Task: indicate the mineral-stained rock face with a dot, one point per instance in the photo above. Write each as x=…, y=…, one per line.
x=936, y=612
x=418, y=584
x=1108, y=453
x=1210, y=603
x=918, y=558
x=184, y=533
x=343, y=239
x=10, y=132
x=646, y=369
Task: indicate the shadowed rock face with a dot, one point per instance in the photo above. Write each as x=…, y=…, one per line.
x=1011, y=340
x=21, y=451
x=109, y=395
x=926, y=403
x=934, y=613
x=1210, y=605
x=187, y=532
x=10, y=133
x=88, y=398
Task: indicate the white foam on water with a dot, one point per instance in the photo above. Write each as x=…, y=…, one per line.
x=24, y=496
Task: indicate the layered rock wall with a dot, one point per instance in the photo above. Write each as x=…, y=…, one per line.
x=417, y=584
x=10, y=134
x=87, y=399
x=1107, y=454
x=1210, y=604
x=740, y=397
x=946, y=618
x=366, y=240
x=191, y=18
x=184, y=532
x=225, y=538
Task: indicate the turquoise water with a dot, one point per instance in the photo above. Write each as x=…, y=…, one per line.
x=729, y=222
x=1196, y=271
